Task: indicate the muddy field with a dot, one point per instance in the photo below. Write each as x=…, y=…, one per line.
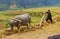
x=36, y=33
x=44, y=32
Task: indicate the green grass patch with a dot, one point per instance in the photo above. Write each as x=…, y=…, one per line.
x=35, y=13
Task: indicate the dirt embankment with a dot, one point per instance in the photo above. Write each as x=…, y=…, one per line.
x=1, y=25
x=42, y=33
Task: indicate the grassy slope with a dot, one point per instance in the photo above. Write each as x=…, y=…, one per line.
x=44, y=33
x=8, y=15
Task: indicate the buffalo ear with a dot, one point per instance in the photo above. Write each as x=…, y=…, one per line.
x=19, y=21
x=15, y=21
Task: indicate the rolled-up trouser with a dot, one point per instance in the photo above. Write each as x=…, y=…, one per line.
x=49, y=18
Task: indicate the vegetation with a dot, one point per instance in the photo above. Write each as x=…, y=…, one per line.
x=36, y=9
x=21, y=4
x=36, y=13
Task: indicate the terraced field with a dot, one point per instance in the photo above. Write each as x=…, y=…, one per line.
x=36, y=33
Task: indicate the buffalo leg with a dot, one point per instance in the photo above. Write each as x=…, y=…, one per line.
x=11, y=27
x=18, y=28
x=27, y=26
x=30, y=25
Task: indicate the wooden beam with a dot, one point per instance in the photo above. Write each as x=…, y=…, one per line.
x=42, y=19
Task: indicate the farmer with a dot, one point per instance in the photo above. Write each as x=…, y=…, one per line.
x=49, y=17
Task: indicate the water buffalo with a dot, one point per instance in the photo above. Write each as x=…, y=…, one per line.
x=54, y=37
x=14, y=23
x=20, y=20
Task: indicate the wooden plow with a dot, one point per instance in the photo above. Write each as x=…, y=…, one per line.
x=42, y=19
